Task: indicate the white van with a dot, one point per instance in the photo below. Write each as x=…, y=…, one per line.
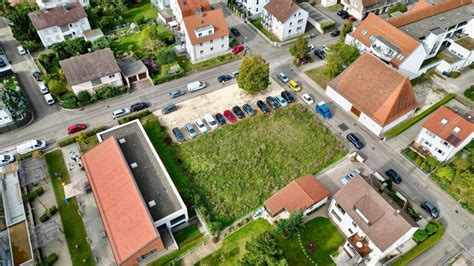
x=43, y=88
x=30, y=145
x=211, y=121
x=195, y=86
x=49, y=99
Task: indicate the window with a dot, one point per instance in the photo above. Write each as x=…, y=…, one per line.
x=351, y=232
x=335, y=215
x=363, y=32
x=299, y=28
x=294, y=15
x=222, y=38
x=200, y=34
x=299, y=13
x=372, y=38
x=445, y=143
x=439, y=151
x=289, y=31
x=96, y=82
x=112, y=76
x=210, y=32
x=400, y=57
x=212, y=48
x=300, y=20
x=201, y=51
x=200, y=44
x=211, y=41
x=177, y=220
x=354, y=224
x=291, y=23
x=257, y=2
x=429, y=133
x=222, y=46
x=428, y=143
x=256, y=9
x=340, y=208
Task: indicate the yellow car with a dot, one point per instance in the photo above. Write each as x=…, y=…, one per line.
x=294, y=85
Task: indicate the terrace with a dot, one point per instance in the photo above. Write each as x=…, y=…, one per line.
x=466, y=42
x=384, y=49
x=418, y=148
x=360, y=245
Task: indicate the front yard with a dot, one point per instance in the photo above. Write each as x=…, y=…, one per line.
x=318, y=76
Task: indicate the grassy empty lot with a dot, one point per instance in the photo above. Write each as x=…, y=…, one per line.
x=144, y=9
x=317, y=74
x=234, y=169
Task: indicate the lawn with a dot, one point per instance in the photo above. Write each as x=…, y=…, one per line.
x=92, y=141
x=132, y=42
x=72, y=223
x=144, y=9
x=317, y=74
x=187, y=235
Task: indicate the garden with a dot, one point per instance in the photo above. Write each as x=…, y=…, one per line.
x=427, y=164
x=13, y=98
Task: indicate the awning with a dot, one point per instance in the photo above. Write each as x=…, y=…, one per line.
x=73, y=189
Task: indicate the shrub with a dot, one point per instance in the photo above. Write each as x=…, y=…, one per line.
x=25, y=156
x=420, y=236
x=88, y=133
x=57, y=88
x=109, y=91
x=48, y=214
x=134, y=116
x=328, y=26
x=66, y=141
x=455, y=74
x=431, y=229
x=50, y=260
x=83, y=96
x=53, y=210
x=140, y=19
x=469, y=93
x=69, y=100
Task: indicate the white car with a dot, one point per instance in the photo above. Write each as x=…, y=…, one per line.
x=311, y=47
x=6, y=158
x=49, y=98
x=234, y=74
x=21, y=50
x=43, y=88
x=283, y=77
x=201, y=126
x=307, y=99
x=281, y=100
x=120, y=112
x=211, y=121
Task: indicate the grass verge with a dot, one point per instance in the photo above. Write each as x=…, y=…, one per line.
x=187, y=235
x=258, y=24
x=168, y=259
x=317, y=74
x=72, y=223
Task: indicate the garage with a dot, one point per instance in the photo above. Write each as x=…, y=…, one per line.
x=135, y=72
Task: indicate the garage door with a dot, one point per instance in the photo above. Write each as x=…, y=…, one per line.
x=142, y=76
x=132, y=79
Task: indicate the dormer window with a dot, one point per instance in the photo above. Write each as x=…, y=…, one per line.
x=363, y=32
x=444, y=121
x=400, y=57
x=372, y=38
x=456, y=130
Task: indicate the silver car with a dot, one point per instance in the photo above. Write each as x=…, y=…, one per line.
x=190, y=129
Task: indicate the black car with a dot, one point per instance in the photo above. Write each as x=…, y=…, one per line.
x=394, y=176
x=238, y=112
x=262, y=106
x=248, y=109
x=335, y=33
x=224, y=78
x=272, y=102
x=345, y=16
x=2, y=63
x=235, y=32
x=168, y=109
x=239, y=4
x=319, y=53
x=287, y=96
x=220, y=118
x=139, y=106
x=431, y=209
x=355, y=140
x=341, y=12
x=178, y=134
x=37, y=75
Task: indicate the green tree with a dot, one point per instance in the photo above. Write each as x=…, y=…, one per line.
x=69, y=100
x=345, y=29
x=22, y=28
x=57, y=88
x=300, y=49
x=263, y=250
x=420, y=235
x=83, y=96
x=254, y=74
x=293, y=224
x=81, y=138
x=71, y=47
x=101, y=43
x=152, y=35
x=446, y=173
x=431, y=228
x=165, y=56
x=340, y=56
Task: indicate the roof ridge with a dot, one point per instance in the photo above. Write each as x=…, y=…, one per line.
x=301, y=188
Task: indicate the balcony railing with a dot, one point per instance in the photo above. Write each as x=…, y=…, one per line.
x=384, y=53
x=360, y=244
x=418, y=148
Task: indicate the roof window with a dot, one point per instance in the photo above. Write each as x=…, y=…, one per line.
x=372, y=38
x=456, y=129
x=444, y=121
x=363, y=32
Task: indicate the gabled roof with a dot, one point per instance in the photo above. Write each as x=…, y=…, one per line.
x=301, y=194
x=213, y=17
x=376, y=89
x=188, y=7
x=386, y=224
x=57, y=16
x=281, y=9
x=376, y=26
x=87, y=67
x=126, y=219
x=443, y=123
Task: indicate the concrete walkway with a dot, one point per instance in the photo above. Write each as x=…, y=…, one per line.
x=457, y=85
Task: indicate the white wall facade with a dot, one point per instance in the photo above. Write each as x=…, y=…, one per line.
x=113, y=79
x=339, y=99
x=295, y=25
x=161, y=4
x=208, y=49
x=438, y=147
x=466, y=57
x=315, y=206
x=55, y=34
x=254, y=6
x=53, y=3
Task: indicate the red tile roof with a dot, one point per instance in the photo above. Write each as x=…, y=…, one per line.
x=57, y=16
x=376, y=89
x=126, y=219
x=301, y=194
x=213, y=17
x=188, y=7
x=376, y=26
x=453, y=120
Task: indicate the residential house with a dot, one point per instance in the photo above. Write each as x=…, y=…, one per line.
x=207, y=34
x=284, y=18
x=254, y=6
x=456, y=56
x=374, y=228
x=91, y=71
x=60, y=23
x=378, y=95
x=361, y=8
x=444, y=133
x=134, y=71
x=305, y=194
x=54, y=3
x=185, y=8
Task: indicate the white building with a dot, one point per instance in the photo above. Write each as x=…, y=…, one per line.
x=457, y=55
x=91, y=71
x=444, y=133
x=60, y=23
x=254, y=6
x=378, y=95
x=374, y=228
x=185, y=8
x=207, y=35
x=359, y=8
x=284, y=18
x=54, y=3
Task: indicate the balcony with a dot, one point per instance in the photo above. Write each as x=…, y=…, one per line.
x=418, y=148
x=383, y=52
x=360, y=244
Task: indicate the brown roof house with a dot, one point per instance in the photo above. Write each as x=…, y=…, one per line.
x=92, y=70
x=60, y=23
x=284, y=18
x=374, y=228
x=361, y=8
x=378, y=95
x=305, y=193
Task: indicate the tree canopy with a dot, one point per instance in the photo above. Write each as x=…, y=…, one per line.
x=165, y=56
x=340, y=56
x=300, y=49
x=293, y=224
x=71, y=47
x=263, y=250
x=21, y=26
x=254, y=74
x=345, y=29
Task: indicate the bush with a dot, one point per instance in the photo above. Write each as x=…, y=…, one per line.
x=29, y=196
x=69, y=100
x=134, y=116
x=431, y=229
x=83, y=96
x=88, y=133
x=469, y=93
x=48, y=214
x=327, y=26
x=53, y=210
x=109, y=91
x=66, y=141
x=57, y=88
x=25, y=156
x=50, y=260
x=455, y=74
x=420, y=236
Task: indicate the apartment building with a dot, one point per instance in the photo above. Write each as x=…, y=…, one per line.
x=284, y=18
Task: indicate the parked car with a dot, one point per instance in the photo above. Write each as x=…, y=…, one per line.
x=43, y=88
x=288, y=97
x=196, y=85
x=272, y=102
x=237, y=49
x=6, y=158
x=345, y=16
x=178, y=134
x=248, y=109
x=323, y=109
x=230, y=116
x=220, y=118
x=21, y=50
x=307, y=99
x=345, y=179
x=263, y=107
x=169, y=108
x=235, y=32
x=238, y=112
x=49, y=98
x=2, y=63
x=281, y=100
x=294, y=85
x=224, y=78
x=335, y=33
x=36, y=75
x=352, y=18
x=76, y=128
x=120, y=112
x=341, y=12
x=139, y=106
x=325, y=49
x=311, y=47
x=234, y=74
x=282, y=76
x=431, y=209
x=176, y=93
x=200, y=125
x=355, y=141
x=396, y=178
x=190, y=129
x=211, y=121
x=319, y=53
x=30, y=145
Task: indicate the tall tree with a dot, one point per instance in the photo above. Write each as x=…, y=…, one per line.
x=254, y=74
x=340, y=56
x=346, y=28
x=300, y=49
x=21, y=26
x=263, y=250
x=293, y=224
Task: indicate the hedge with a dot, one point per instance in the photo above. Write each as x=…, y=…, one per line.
x=25, y=156
x=29, y=196
x=415, y=119
x=48, y=214
x=327, y=25
x=50, y=260
x=88, y=133
x=134, y=116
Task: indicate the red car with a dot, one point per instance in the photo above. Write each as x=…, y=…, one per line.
x=239, y=48
x=352, y=18
x=76, y=128
x=230, y=116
